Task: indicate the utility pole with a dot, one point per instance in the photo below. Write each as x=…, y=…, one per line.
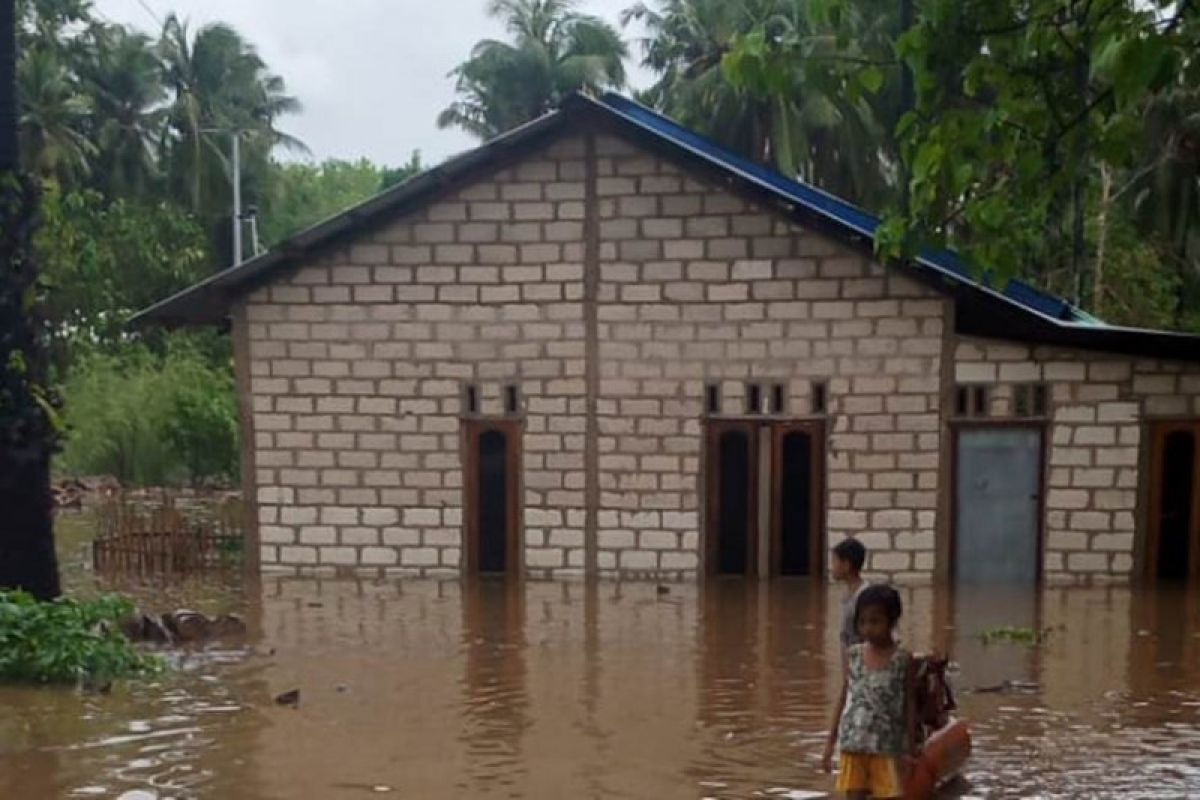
x=235, y=155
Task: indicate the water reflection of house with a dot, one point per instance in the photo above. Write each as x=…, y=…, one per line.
x=495, y=705
x=603, y=344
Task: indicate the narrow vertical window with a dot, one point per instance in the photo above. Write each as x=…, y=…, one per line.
x=1041, y=400
x=979, y=401
x=753, y=398
x=712, y=398
x=820, y=398
x=471, y=399
x=778, y=399
x=1023, y=400
x=512, y=399
x=962, y=401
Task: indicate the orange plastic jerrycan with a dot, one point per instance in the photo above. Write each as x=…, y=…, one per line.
x=945, y=754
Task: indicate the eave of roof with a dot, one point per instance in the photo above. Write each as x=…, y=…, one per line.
x=1019, y=312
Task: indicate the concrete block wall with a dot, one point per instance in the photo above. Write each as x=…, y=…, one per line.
x=698, y=286
x=358, y=362
x=358, y=367
x=1099, y=404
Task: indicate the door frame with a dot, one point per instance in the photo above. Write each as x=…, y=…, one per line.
x=1041, y=427
x=1157, y=432
x=816, y=545
x=513, y=428
x=713, y=428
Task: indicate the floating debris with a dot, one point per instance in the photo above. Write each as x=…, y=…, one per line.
x=1009, y=687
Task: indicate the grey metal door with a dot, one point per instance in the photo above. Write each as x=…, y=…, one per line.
x=997, y=485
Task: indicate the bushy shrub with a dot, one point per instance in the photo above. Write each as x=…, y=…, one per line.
x=151, y=419
x=67, y=641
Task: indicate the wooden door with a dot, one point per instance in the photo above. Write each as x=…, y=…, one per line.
x=1173, y=541
x=731, y=477
x=797, y=479
x=492, y=484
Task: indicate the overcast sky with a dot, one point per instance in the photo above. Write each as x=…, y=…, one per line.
x=372, y=74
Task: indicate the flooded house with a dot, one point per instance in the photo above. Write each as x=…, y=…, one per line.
x=603, y=345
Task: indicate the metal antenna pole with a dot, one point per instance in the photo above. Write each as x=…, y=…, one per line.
x=237, y=199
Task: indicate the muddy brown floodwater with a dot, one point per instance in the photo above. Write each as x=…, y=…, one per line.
x=421, y=689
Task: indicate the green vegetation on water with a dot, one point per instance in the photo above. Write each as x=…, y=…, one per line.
x=1011, y=634
x=68, y=641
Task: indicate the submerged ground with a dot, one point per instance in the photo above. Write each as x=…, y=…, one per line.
x=423, y=689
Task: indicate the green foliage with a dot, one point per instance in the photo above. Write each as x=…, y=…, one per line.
x=152, y=420
x=555, y=50
x=1013, y=109
x=67, y=641
x=396, y=175
x=216, y=80
x=815, y=75
x=145, y=120
x=1019, y=107
x=103, y=260
x=305, y=194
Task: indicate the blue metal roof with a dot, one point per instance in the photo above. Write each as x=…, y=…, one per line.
x=945, y=262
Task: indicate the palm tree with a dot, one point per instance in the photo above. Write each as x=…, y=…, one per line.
x=54, y=118
x=803, y=120
x=555, y=51
x=218, y=82
x=124, y=77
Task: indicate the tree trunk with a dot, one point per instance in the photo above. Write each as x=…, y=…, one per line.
x=27, y=437
x=8, y=86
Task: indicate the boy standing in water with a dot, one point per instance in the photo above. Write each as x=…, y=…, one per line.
x=875, y=723
x=848, y=558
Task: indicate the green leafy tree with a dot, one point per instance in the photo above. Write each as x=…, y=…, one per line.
x=410, y=169
x=1164, y=187
x=817, y=74
x=149, y=418
x=794, y=84
x=104, y=260
x=301, y=195
x=1018, y=108
x=685, y=45
x=555, y=50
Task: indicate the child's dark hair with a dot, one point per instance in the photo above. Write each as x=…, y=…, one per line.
x=881, y=596
x=852, y=552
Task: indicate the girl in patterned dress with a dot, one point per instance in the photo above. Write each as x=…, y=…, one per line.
x=875, y=724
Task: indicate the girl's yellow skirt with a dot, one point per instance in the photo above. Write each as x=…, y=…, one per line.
x=870, y=772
